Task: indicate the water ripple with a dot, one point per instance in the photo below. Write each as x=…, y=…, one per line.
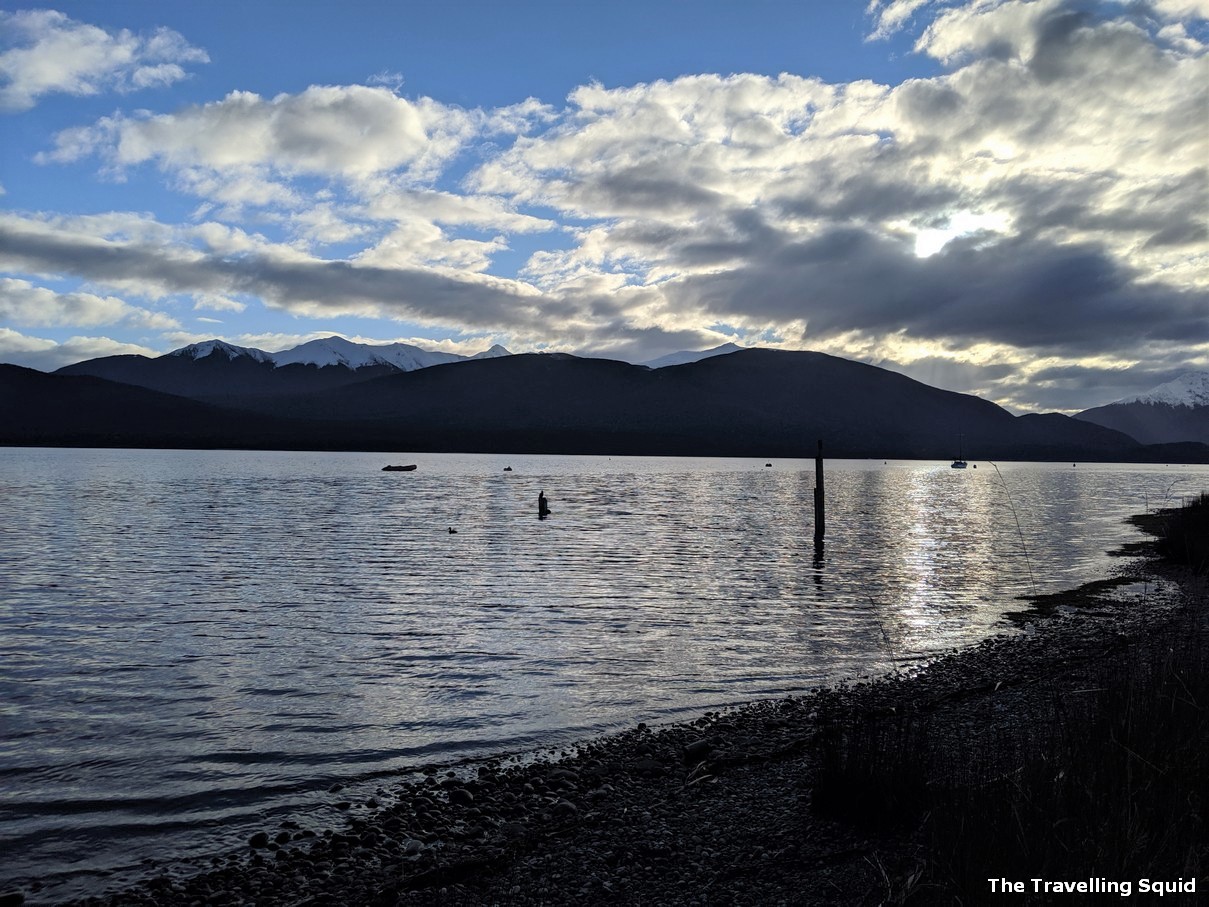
x=194, y=641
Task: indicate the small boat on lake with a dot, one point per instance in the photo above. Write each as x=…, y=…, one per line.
x=409, y=468
x=959, y=463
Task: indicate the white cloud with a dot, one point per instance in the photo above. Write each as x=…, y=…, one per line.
x=25, y=304
x=520, y=118
x=1186, y=10
x=377, y=153
x=213, y=302
x=48, y=355
x=386, y=200
x=352, y=131
x=891, y=16
x=387, y=79
x=415, y=242
x=1002, y=29
x=49, y=53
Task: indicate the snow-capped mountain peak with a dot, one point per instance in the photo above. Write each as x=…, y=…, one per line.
x=327, y=351
x=220, y=348
x=339, y=351
x=1190, y=389
x=494, y=353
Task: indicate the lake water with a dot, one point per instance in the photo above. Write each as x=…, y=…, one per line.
x=194, y=644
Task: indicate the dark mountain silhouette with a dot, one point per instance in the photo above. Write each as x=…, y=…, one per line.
x=750, y=403
x=1153, y=423
x=82, y=411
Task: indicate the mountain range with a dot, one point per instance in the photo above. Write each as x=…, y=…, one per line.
x=220, y=372
x=334, y=394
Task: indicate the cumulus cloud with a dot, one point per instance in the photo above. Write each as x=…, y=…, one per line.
x=28, y=305
x=48, y=53
x=349, y=130
x=374, y=155
x=48, y=355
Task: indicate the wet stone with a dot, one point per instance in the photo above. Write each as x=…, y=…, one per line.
x=697, y=750
x=648, y=766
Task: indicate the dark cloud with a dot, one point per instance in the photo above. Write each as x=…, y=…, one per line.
x=1172, y=210
x=1079, y=387
x=928, y=101
x=300, y=285
x=650, y=188
x=1054, y=53
x=1029, y=294
x=1186, y=234
x=873, y=195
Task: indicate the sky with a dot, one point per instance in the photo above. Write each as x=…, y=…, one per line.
x=1000, y=197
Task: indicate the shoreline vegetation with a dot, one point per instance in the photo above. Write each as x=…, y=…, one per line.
x=1074, y=750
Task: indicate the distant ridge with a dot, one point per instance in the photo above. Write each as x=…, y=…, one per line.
x=220, y=372
x=1173, y=412
x=686, y=356
x=69, y=410
x=752, y=402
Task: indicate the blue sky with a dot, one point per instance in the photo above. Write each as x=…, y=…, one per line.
x=1003, y=197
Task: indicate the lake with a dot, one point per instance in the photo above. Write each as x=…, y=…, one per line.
x=196, y=643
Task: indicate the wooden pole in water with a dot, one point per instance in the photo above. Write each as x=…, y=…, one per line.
x=820, y=518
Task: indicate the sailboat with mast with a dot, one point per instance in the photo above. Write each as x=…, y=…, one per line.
x=959, y=463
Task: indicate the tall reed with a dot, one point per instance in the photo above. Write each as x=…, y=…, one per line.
x=1020, y=532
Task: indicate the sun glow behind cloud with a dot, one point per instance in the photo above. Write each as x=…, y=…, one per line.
x=930, y=240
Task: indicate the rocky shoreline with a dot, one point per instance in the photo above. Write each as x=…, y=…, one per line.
x=726, y=809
